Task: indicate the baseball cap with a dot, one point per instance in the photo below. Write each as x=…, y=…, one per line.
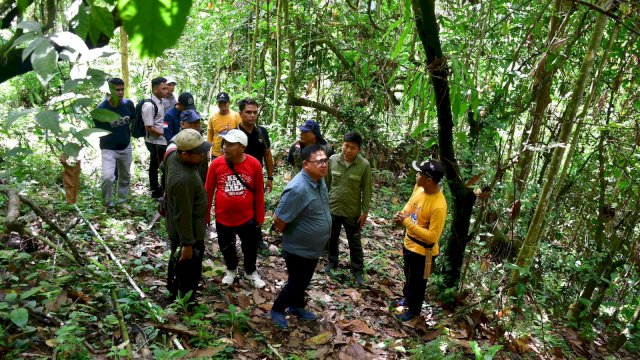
x=235, y=136
x=191, y=140
x=431, y=168
x=190, y=116
x=223, y=97
x=170, y=80
x=310, y=125
x=186, y=99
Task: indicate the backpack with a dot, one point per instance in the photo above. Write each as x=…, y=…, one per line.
x=137, y=126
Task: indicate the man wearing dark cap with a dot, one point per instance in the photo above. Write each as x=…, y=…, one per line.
x=172, y=117
x=186, y=212
x=423, y=217
x=189, y=119
x=309, y=134
x=221, y=122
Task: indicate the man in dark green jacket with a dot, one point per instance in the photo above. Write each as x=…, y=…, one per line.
x=186, y=211
x=349, y=183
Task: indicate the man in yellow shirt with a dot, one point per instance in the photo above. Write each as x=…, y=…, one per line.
x=221, y=122
x=423, y=217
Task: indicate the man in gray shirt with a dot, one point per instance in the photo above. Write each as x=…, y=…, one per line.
x=304, y=219
x=153, y=117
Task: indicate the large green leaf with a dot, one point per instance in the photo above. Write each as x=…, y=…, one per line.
x=91, y=133
x=19, y=316
x=30, y=26
x=104, y=115
x=49, y=120
x=81, y=22
x=71, y=149
x=101, y=22
x=44, y=59
x=153, y=26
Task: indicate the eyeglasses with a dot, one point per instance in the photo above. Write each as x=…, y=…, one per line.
x=320, y=162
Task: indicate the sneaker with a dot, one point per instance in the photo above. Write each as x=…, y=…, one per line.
x=303, y=314
x=279, y=320
x=329, y=267
x=255, y=279
x=401, y=302
x=229, y=277
x=406, y=316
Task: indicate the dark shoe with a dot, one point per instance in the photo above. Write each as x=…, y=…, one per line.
x=406, y=316
x=155, y=194
x=359, y=279
x=303, y=314
x=262, y=245
x=279, y=320
x=329, y=267
x=401, y=302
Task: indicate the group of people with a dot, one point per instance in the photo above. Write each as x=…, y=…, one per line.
x=330, y=191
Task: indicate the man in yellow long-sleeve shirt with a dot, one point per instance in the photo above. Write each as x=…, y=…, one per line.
x=221, y=122
x=423, y=217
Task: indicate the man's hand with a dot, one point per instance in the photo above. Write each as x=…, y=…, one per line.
x=362, y=220
x=187, y=253
x=268, y=186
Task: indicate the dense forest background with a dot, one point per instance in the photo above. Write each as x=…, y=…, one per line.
x=533, y=107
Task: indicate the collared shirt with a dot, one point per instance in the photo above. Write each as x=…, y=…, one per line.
x=154, y=121
x=304, y=206
x=171, y=123
x=186, y=202
x=219, y=125
x=349, y=186
x=258, y=142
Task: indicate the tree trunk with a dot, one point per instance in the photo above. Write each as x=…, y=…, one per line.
x=530, y=245
x=124, y=60
x=278, y=59
x=463, y=197
x=291, y=80
x=543, y=79
x=254, y=40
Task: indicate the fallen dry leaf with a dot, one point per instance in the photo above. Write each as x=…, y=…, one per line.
x=320, y=339
x=353, y=351
x=257, y=298
x=243, y=301
x=358, y=326
x=206, y=353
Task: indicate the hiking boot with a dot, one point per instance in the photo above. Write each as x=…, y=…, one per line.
x=303, y=314
x=279, y=320
x=255, y=280
x=229, y=277
x=406, y=316
x=330, y=266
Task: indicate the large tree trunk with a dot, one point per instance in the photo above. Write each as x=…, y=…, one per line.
x=124, y=59
x=254, y=41
x=530, y=245
x=278, y=59
x=463, y=197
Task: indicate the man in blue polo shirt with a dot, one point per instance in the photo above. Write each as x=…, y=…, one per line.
x=304, y=219
x=172, y=117
x=115, y=148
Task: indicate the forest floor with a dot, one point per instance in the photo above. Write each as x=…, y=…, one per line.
x=74, y=312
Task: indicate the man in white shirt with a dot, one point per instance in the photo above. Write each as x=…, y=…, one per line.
x=153, y=117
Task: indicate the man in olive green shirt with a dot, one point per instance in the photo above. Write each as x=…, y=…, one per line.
x=186, y=212
x=349, y=182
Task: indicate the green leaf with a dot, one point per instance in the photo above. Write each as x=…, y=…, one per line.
x=69, y=40
x=15, y=116
x=92, y=133
x=400, y=44
x=44, y=59
x=29, y=49
x=419, y=129
x=71, y=149
x=153, y=26
x=30, y=26
x=81, y=22
x=105, y=115
x=30, y=292
x=24, y=38
x=101, y=22
x=49, y=120
x=520, y=289
x=19, y=316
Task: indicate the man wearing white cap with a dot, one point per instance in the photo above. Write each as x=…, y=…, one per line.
x=170, y=100
x=186, y=212
x=236, y=181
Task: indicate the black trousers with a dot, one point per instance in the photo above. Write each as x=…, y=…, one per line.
x=415, y=286
x=300, y=272
x=184, y=276
x=156, y=153
x=352, y=230
x=249, y=234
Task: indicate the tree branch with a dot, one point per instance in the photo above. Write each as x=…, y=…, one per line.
x=296, y=101
x=609, y=13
